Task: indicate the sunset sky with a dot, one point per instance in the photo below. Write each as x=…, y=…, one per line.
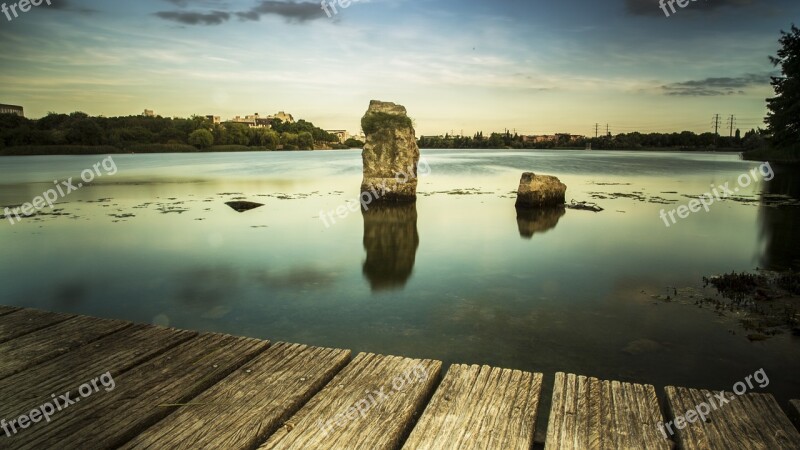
x=531, y=65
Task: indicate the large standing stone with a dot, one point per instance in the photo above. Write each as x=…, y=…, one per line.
x=390, y=154
x=540, y=190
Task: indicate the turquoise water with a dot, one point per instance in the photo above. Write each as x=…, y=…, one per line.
x=457, y=277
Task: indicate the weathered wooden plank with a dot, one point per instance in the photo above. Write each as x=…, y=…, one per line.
x=624, y=416
x=7, y=309
x=732, y=436
x=478, y=408
x=144, y=395
x=595, y=414
x=611, y=439
x=484, y=403
x=773, y=422
x=569, y=429
x=557, y=408
x=649, y=415
x=24, y=321
x=115, y=353
x=794, y=412
x=752, y=421
x=608, y=415
x=250, y=404
x=31, y=349
x=370, y=404
x=581, y=437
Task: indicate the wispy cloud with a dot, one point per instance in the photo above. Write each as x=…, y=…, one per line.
x=652, y=7
x=291, y=11
x=710, y=87
x=195, y=18
x=69, y=6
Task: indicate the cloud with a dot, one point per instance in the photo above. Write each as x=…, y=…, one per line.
x=652, y=7
x=291, y=11
x=195, y=18
x=710, y=87
x=68, y=6
x=211, y=4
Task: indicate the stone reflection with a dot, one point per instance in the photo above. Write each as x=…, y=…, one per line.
x=539, y=220
x=391, y=241
x=779, y=220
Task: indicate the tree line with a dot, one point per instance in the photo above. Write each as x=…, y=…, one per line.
x=686, y=140
x=76, y=131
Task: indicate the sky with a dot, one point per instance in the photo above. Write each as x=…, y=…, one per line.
x=530, y=66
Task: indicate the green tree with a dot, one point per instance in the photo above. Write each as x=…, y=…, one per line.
x=305, y=141
x=201, y=138
x=355, y=143
x=238, y=134
x=783, y=118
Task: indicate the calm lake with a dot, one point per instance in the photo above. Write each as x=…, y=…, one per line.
x=458, y=277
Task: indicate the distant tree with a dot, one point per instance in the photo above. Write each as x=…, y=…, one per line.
x=289, y=139
x=754, y=140
x=305, y=141
x=355, y=143
x=783, y=118
x=171, y=136
x=238, y=134
x=201, y=138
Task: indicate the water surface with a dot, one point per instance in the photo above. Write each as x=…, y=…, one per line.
x=457, y=277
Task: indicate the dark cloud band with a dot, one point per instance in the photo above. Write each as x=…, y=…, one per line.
x=291, y=11
x=716, y=86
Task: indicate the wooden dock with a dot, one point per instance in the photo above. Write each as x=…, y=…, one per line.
x=175, y=389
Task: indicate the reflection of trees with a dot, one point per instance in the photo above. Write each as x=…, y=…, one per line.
x=391, y=241
x=538, y=220
x=779, y=225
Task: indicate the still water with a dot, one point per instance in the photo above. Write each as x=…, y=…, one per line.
x=457, y=277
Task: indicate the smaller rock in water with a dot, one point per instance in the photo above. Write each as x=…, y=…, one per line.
x=244, y=206
x=540, y=190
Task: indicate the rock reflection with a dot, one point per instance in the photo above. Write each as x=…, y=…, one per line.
x=538, y=220
x=391, y=241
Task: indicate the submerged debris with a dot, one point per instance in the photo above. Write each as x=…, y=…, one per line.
x=585, y=206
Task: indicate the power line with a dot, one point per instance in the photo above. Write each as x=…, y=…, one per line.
x=716, y=124
x=732, y=120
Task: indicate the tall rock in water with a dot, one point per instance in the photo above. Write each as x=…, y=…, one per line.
x=390, y=154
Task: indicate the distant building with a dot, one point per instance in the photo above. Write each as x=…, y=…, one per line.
x=286, y=118
x=538, y=139
x=343, y=135
x=149, y=113
x=253, y=121
x=214, y=119
x=12, y=109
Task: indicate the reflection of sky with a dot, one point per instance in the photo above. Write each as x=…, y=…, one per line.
x=478, y=291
